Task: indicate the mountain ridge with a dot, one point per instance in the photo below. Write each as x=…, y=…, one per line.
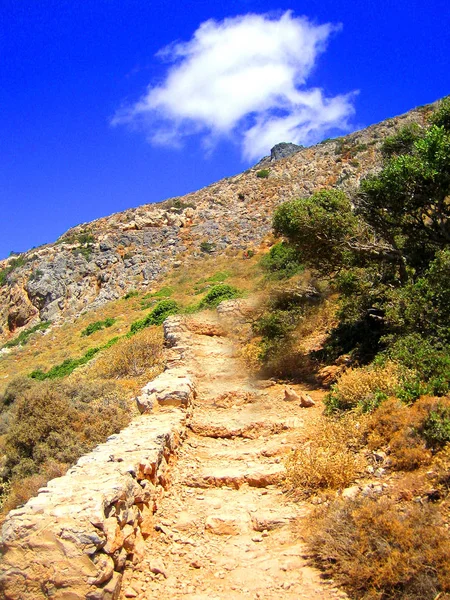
x=99, y=261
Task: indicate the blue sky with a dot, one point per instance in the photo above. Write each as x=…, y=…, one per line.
x=110, y=104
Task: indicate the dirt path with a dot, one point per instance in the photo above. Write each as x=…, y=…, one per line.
x=224, y=528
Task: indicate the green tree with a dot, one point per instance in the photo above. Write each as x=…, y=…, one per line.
x=386, y=248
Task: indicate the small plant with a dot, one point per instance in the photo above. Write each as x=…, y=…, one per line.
x=207, y=247
x=157, y=316
x=179, y=204
x=97, y=326
x=131, y=294
x=218, y=277
x=36, y=275
x=14, y=263
x=84, y=238
x=218, y=294
x=164, y=292
x=23, y=336
x=84, y=251
x=263, y=174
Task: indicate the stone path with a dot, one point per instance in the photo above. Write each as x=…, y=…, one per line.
x=224, y=529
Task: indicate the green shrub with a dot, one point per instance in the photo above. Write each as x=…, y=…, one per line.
x=164, y=292
x=263, y=174
x=97, y=326
x=157, y=316
x=402, y=142
x=218, y=294
x=441, y=116
x=70, y=364
x=84, y=251
x=36, y=275
x=281, y=262
x=218, y=277
x=14, y=263
x=274, y=325
x=207, y=247
x=428, y=366
x=23, y=336
x=436, y=427
x=131, y=294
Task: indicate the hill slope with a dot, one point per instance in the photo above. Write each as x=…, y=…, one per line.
x=96, y=262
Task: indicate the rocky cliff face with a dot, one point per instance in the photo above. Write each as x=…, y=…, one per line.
x=97, y=262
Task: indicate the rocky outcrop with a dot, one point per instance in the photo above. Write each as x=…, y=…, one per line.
x=96, y=262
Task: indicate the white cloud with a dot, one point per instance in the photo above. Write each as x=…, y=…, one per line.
x=243, y=77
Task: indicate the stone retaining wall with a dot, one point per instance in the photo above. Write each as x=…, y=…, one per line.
x=71, y=541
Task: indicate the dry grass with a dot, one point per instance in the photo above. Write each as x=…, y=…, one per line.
x=363, y=387
x=399, y=427
x=20, y=491
x=59, y=343
x=243, y=273
x=379, y=550
x=330, y=459
x=313, y=330
x=62, y=342
x=139, y=357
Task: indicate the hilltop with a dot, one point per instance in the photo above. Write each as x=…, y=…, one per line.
x=94, y=263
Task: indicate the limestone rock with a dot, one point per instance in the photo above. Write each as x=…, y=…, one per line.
x=305, y=400
x=81, y=528
x=225, y=524
x=171, y=388
x=290, y=395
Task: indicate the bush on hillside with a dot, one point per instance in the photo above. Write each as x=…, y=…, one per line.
x=281, y=262
x=218, y=294
x=329, y=460
x=402, y=142
x=379, y=550
x=133, y=357
x=363, y=388
x=24, y=335
x=97, y=326
x=157, y=316
x=51, y=422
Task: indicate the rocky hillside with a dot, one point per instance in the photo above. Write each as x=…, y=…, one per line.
x=96, y=262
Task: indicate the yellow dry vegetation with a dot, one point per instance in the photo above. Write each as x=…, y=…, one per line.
x=357, y=387
x=380, y=550
x=329, y=459
x=62, y=342
x=138, y=358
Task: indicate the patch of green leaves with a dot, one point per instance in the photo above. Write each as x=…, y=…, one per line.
x=24, y=335
x=70, y=364
x=97, y=326
x=281, y=262
x=157, y=316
